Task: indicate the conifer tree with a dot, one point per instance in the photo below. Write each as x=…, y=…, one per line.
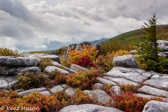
x=148, y=47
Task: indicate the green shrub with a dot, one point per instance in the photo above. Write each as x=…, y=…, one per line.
x=28, y=80
x=45, y=62
x=65, y=62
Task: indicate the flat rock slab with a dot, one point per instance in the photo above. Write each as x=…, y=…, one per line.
x=105, y=81
x=153, y=91
x=88, y=108
x=41, y=55
x=145, y=95
x=136, y=77
x=10, y=71
x=19, y=61
x=31, y=91
x=50, y=69
x=78, y=68
x=157, y=83
x=61, y=66
x=155, y=106
x=121, y=80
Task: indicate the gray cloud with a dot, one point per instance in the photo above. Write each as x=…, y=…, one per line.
x=29, y=23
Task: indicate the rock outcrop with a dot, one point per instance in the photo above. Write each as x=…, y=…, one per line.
x=127, y=61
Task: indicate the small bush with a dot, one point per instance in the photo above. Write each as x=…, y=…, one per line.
x=65, y=62
x=8, y=52
x=61, y=51
x=60, y=79
x=128, y=87
x=28, y=80
x=83, y=80
x=53, y=74
x=128, y=102
x=90, y=51
x=45, y=62
x=85, y=62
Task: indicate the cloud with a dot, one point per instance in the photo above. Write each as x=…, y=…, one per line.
x=32, y=24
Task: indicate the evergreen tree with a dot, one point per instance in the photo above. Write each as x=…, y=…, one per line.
x=148, y=50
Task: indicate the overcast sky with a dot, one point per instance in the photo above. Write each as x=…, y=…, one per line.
x=33, y=23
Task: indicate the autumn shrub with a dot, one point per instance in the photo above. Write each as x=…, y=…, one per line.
x=105, y=61
x=8, y=52
x=65, y=62
x=45, y=62
x=107, y=88
x=128, y=102
x=85, y=62
x=84, y=80
x=128, y=87
x=29, y=80
x=60, y=79
x=88, y=50
x=61, y=51
x=53, y=74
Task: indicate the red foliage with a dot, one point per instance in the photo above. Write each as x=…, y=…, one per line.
x=85, y=62
x=128, y=102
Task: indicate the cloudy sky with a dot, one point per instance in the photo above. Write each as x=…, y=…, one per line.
x=31, y=24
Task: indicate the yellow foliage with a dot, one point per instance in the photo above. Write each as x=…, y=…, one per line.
x=105, y=61
x=8, y=52
x=45, y=62
x=88, y=50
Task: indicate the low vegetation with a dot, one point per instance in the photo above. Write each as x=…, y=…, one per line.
x=8, y=52
x=45, y=62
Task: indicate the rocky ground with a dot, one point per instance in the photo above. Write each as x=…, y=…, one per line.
x=125, y=71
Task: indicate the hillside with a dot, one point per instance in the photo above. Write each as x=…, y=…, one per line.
x=135, y=36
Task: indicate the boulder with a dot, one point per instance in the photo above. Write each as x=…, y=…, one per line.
x=155, y=106
x=99, y=95
x=115, y=89
x=45, y=93
x=77, y=46
x=77, y=68
x=127, y=61
x=3, y=84
x=55, y=89
x=16, y=70
x=50, y=69
x=27, y=92
x=98, y=86
x=19, y=61
x=163, y=44
x=70, y=91
x=88, y=108
x=153, y=91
